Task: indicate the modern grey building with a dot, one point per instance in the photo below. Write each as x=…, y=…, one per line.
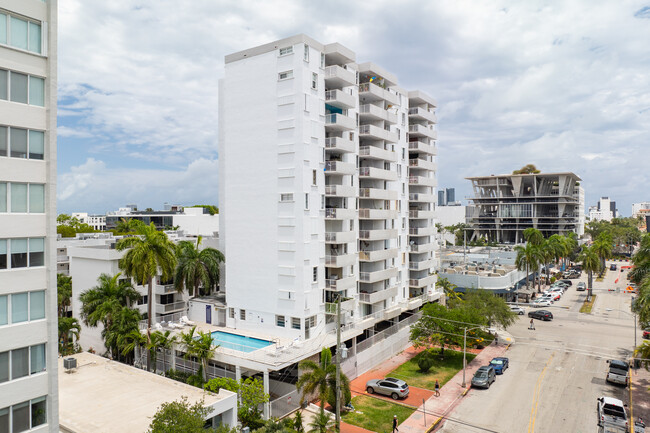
x=503, y=206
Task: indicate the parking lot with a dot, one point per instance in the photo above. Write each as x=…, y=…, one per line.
x=558, y=370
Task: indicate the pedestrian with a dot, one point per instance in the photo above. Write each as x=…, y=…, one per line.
x=532, y=325
x=395, y=429
x=437, y=388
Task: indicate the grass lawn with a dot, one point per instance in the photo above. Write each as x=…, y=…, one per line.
x=374, y=414
x=587, y=305
x=443, y=370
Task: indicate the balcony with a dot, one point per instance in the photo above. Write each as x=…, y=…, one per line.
x=422, y=114
x=377, y=214
x=339, y=122
x=339, y=167
x=170, y=308
x=414, y=301
x=423, y=145
x=346, y=305
x=420, y=266
x=418, y=130
x=373, y=112
x=339, y=261
x=418, y=283
x=422, y=231
x=377, y=133
x=336, y=76
x=374, y=297
x=375, y=276
x=421, y=214
x=340, y=213
x=377, y=173
x=423, y=164
x=339, y=143
x=377, y=255
x=340, y=191
x=340, y=99
x=422, y=198
x=164, y=289
x=376, y=235
x=342, y=237
x=373, y=92
x=344, y=283
x=377, y=194
x=422, y=248
x=374, y=152
x=421, y=180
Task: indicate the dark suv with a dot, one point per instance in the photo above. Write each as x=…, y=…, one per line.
x=541, y=315
x=484, y=377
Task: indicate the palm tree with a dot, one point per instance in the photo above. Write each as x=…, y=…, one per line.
x=103, y=302
x=590, y=264
x=68, y=327
x=125, y=321
x=641, y=261
x=547, y=253
x=64, y=293
x=129, y=342
x=321, y=423
x=533, y=236
x=643, y=352
x=448, y=288
x=201, y=347
x=197, y=267
x=603, y=248
x=527, y=258
x=148, y=254
x=127, y=225
x=163, y=341
x=320, y=378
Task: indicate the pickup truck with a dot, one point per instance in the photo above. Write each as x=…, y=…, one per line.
x=611, y=413
x=619, y=372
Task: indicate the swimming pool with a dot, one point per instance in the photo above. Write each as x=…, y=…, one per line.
x=238, y=342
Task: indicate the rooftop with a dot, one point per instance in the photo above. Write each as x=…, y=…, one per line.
x=564, y=173
x=107, y=396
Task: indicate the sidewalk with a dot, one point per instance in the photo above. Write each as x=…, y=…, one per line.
x=640, y=397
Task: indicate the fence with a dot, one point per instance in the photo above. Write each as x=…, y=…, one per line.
x=394, y=329
x=284, y=405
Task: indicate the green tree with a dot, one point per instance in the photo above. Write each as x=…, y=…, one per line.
x=147, y=254
x=482, y=303
x=590, y=264
x=533, y=236
x=69, y=330
x=322, y=422
x=320, y=379
x=641, y=261
x=528, y=258
x=251, y=395
x=125, y=321
x=197, y=268
x=179, y=417
x=102, y=304
x=298, y=422
x=200, y=346
x=163, y=341
x=426, y=360
x=128, y=225
x=448, y=288
x=643, y=352
x=63, y=293
x=527, y=169
x=132, y=340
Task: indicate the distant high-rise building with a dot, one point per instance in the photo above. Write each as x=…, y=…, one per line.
x=451, y=195
x=604, y=211
x=441, y=198
x=28, y=290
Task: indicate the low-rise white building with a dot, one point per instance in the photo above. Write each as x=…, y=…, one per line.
x=641, y=208
x=193, y=221
x=97, y=222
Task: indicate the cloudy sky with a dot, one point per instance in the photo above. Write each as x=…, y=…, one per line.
x=564, y=85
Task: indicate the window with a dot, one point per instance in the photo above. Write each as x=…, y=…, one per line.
x=35, y=37
x=242, y=314
x=322, y=60
x=36, y=252
x=37, y=359
x=3, y=197
x=39, y=407
x=36, y=91
x=24, y=416
x=295, y=323
x=315, y=274
x=18, y=253
x=279, y=321
x=36, y=144
x=37, y=305
x=310, y=322
x=19, y=35
x=285, y=75
x=307, y=201
x=19, y=197
x=36, y=198
x=3, y=256
x=231, y=313
x=143, y=300
x=286, y=50
x=19, y=363
x=286, y=197
x=4, y=313
x=4, y=80
x=4, y=369
x=3, y=28
x=18, y=87
x=322, y=201
x=18, y=142
x=306, y=54
x=19, y=307
x=20, y=417
x=314, y=80
x=313, y=177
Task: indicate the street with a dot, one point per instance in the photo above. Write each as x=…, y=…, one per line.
x=558, y=370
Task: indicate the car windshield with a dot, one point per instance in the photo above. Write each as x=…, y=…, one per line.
x=480, y=375
x=496, y=362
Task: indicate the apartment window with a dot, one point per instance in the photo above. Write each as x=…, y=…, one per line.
x=286, y=197
x=18, y=253
x=310, y=322
x=285, y=75
x=37, y=305
x=313, y=177
x=403, y=154
x=36, y=91
x=403, y=258
x=3, y=197
x=306, y=53
x=4, y=313
x=19, y=363
x=314, y=80
x=279, y=321
x=36, y=198
x=286, y=51
x=315, y=274
x=18, y=142
x=19, y=197
x=306, y=201
x=20, y=33
x=4, y=370
x=23, y=416
x=231, y=313
x=295, y=323
x=322, y=201
x=242, y=314
x=322, y=60
x=18, y=87
x=403, y=119
x=143, y=300
x=3, y=255
x=4, y=84
x=22, y=88
x=37, y=359
x=36, y=144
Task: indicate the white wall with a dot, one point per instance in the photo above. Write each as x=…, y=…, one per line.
x=194, y=222
x=448, y=216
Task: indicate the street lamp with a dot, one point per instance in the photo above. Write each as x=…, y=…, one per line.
x=465, y=350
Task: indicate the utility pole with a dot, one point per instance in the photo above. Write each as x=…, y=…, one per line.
x=338, y=363
x=464, y=247
x=464, y=345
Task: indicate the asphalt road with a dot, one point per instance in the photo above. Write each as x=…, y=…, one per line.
x=556, y=371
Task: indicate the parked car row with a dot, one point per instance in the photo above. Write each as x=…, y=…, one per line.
x=486, y=374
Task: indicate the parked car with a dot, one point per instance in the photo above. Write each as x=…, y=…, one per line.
x=567, y=282
x=559, y=284
x=581, y=287
x=612, y=267
x=517, y=309
x=619, y=372
x=394, y=388
x=541, y=303
x=646, y=333
x=611, y=411
x=541, y=315
x=499, y=364
x=484, y=377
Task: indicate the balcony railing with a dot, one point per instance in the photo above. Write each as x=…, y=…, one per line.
x=339, y=143
x=423, y=113
x=377, y=173
x=168, y=308
x=339, y=167
x=339, y=76
x=340, y=99
x=377, y=153
x=423, y=145
x=374, y=92
x=340, y=122
x=377, y=214
x=375, y=112
x=376, y=193
x=373, y=235
x=377, y=133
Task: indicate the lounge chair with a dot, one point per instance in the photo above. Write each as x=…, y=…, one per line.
x=186, y=321
x=157, y=327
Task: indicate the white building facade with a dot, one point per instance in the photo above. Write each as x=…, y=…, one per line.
x=97, y=222
x=315, y=189
x=641, y=208
x=28, y=293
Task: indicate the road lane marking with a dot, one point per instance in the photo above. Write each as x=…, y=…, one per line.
x=536, y=395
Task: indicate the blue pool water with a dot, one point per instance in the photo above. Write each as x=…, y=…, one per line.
x=238, y=342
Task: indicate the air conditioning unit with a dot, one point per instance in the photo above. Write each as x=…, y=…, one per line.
x=69, y=364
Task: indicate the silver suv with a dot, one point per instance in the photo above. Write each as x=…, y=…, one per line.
x=395, y=388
